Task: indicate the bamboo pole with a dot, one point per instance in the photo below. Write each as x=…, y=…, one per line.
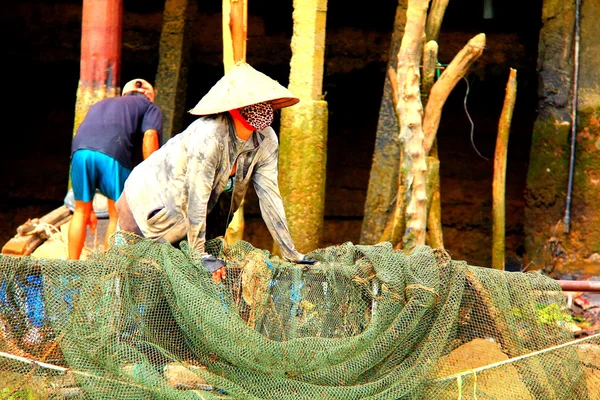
x=440, y=91
x=410, y=112
x=499, y=182
x=235, y=29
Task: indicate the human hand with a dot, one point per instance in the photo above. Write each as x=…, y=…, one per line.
x=219, y=275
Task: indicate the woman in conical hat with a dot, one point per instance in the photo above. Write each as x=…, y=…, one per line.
x=190, y=188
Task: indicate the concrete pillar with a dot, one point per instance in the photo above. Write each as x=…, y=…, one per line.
x=303, y=148
x=171, y=77
x=547, y=245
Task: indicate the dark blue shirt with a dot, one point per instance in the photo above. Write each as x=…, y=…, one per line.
x=115, y=125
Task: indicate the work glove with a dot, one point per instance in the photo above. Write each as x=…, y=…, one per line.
x=216, y=267
x=212, y=263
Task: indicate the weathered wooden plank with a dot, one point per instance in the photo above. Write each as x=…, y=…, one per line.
x=23, y=245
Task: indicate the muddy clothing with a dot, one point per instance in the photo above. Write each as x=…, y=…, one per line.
x=114, y=125
x=171, y=193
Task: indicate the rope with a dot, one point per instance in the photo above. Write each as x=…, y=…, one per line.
x=51, y=232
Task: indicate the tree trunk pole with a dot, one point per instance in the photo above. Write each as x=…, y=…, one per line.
x=437, y=10
x=383, y=176
x=396, y=224
x=235, y=28
x=410, y=112
x=499, y=183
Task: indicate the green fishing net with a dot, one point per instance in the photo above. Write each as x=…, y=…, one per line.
x=142, y=321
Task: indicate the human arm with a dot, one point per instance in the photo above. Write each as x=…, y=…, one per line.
x=152, y=127
x=271, y=207
x=203, y=153
x=149, y=142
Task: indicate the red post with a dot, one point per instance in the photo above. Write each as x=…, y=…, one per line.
x=100, y=60
x=101, y=33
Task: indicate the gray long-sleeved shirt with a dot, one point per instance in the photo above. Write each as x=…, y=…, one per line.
x=172, y=191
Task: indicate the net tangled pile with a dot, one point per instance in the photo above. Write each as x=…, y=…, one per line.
x=142, y=321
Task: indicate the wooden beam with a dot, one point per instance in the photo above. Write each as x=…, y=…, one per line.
x=24, y=245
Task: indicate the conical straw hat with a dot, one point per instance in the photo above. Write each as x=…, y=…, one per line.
x=242, y=86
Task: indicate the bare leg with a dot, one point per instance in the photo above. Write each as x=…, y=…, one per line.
x=113, y=217
x=78, y=227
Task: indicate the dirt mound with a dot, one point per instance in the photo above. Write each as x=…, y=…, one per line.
x=493, y=383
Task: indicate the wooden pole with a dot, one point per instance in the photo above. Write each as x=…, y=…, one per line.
x=396, y=223
x=383, y=176
x=499, y=182
x=235, y=29
x=579, y=286
x=435, y=237
x=435, y=18
x=410, y=112
x=437, y=10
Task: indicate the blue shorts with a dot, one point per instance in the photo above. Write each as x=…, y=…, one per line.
x=91, y=170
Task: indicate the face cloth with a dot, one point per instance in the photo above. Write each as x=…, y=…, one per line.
x=258, y=115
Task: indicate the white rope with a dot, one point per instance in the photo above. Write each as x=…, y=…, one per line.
x=51, y=232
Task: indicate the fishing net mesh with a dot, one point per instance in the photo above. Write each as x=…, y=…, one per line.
x=142, y=321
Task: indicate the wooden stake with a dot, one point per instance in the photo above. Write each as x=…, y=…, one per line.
x=410, y=112
x=235, y=30
x=440, y=91
x=434, y=207
x=434, y=19
x=499, y=183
